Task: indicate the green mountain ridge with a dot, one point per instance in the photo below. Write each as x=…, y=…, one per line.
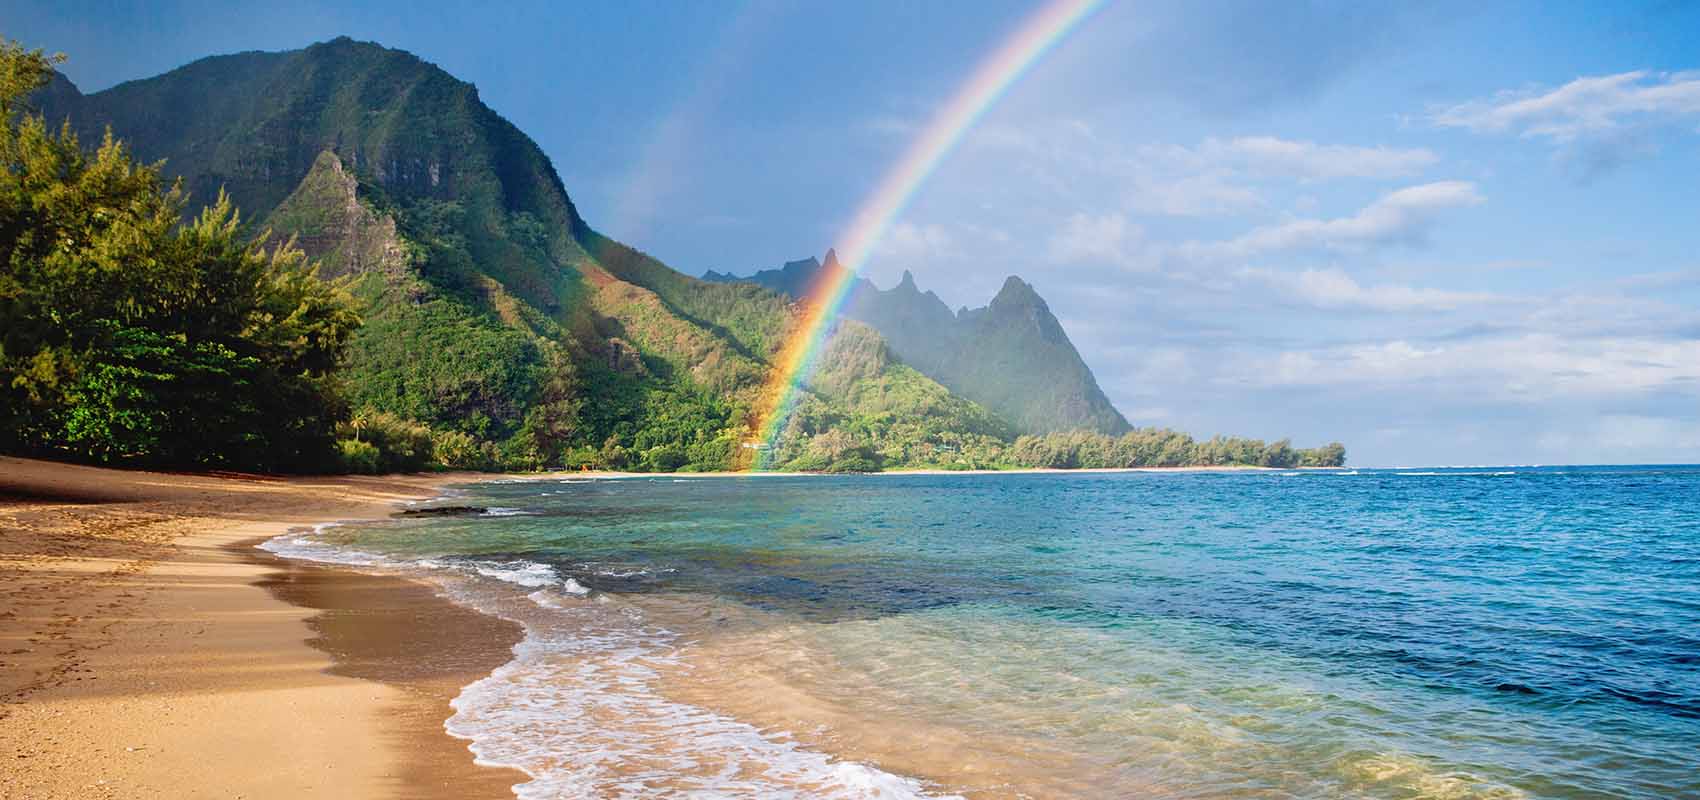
x=1011, y=355
x=501, y=330
x=492, y=310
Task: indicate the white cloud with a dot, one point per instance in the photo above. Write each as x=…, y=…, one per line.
x=1104, y=239
x=1401, y=217
x=1333, y=288
x=1212, y=178
x=1626, y=433
x=1269, y=156
x=1202, y=195
x=1216, y=177
x=908, y=243
x=1586, y=106
x=1535, y=366
x=1147, y=415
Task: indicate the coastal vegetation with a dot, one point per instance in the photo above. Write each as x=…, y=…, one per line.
x=132, y=336
x=408, y=286
x=1161, y=447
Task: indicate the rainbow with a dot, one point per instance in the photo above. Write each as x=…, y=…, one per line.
x=822, y=303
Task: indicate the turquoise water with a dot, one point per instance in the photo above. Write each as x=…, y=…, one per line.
x=1385, y=634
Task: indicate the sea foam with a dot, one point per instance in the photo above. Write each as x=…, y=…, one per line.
x=578, y=709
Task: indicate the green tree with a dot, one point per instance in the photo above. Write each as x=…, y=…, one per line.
x=128, y=335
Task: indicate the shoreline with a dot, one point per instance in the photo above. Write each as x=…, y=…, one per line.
x=147, y=644
x=596, y=474
x=147, y=649
x=401, y=632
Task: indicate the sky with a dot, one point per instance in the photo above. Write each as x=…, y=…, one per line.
x=1449, y=234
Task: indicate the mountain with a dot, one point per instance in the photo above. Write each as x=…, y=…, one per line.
x=1011, y=356
x=493, y=312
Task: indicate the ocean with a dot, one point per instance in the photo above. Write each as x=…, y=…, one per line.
x=1437, y=633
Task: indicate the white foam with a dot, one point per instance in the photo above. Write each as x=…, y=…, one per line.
x=1456, y=472
x=577, y=710
x=615, y=570
x=520, y=573
x=508, y=512
x=306, y=546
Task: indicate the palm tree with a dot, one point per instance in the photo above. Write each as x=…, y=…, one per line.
x=359, y=420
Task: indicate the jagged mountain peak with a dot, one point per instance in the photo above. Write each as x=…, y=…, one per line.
x=1017, y=292
x=1011, y=355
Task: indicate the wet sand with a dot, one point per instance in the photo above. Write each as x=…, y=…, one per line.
x=401, y=634
x=147, y=650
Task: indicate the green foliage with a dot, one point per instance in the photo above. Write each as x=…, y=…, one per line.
x=836, y=450
x=443, y=362
x=1161, y=447
x=360, y=458
x=459, y=450
x=752, y=318
x=131, y=338
x=501, y=331
x=869, y=412
x=378, y=442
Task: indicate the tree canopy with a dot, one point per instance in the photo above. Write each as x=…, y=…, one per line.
x=129, y=335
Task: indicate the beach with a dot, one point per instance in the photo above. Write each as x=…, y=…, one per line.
x=1227, y=634
x=147, y=649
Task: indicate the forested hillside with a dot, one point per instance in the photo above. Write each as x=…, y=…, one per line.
x=484, y=323
x=131, y=334
x=499, y=329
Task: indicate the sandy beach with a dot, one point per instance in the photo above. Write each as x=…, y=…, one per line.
x=147, y=649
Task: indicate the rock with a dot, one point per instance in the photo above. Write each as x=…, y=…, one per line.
x=443, y=511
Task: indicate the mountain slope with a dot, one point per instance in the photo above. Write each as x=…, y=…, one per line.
x=493, y=311
x=1012, y=356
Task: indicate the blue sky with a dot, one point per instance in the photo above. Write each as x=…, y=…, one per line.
x=1454, y=234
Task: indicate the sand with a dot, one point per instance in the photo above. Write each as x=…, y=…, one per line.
x=148, y=650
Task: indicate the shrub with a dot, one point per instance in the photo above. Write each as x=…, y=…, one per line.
x=360, y=458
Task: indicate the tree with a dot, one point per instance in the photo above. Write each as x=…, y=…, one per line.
x=128, y=335
x=552, y=424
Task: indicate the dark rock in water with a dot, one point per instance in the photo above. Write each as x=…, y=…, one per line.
x=443, y=511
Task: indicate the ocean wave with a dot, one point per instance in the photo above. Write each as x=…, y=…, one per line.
x=308, y=545
x=520, y=573
x=1461, y=473
x=509, y=512
x=305, y=545
x=619, y=571
x=578, y=710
